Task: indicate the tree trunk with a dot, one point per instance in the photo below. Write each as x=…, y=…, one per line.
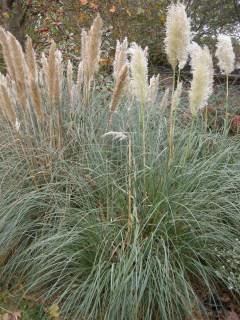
x=13, y=18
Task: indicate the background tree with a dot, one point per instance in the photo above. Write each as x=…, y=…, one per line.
x=140, y=20
x=13, y=17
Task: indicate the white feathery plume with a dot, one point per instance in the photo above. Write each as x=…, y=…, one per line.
x=178, y=35
x=139, y=72
x=202, y=82
x=153, y=89
x=120, y=57
x=225, y=54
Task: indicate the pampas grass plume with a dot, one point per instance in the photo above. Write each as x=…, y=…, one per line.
x=94, y=44
x=20, y=71
x=36, y=98
x=202, y=82
x=7, y=54
x=120, y=85
x=7, y=104
x=120, y=57
x=225, y=54
x=139, y=72
x=153, y=89
x=31, y=59
x=178, y=35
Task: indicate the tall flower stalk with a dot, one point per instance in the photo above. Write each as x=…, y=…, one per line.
x=226, y=60
x=177, y=44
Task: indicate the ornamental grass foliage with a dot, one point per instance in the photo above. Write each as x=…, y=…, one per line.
x=113, y=208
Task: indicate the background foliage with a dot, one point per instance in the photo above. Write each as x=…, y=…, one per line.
x=141, y=21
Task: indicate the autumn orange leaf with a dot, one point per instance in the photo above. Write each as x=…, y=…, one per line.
x=83, y=2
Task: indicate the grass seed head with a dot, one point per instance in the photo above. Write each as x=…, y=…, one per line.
x=31, y=59
x=120, y=57
x=225, y=54
x=202, y=82
x=93, y=47
x=139, y=72
x=120, y=85
x=7, y=104
x=178, y=35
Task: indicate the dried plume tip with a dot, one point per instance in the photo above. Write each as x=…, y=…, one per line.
x=54, y=72
x=202, y=82
x=120, y=57
x=120, y=85
x=225, y=54
x=7, y=53
x=178, y=35
x=139, y=72
x=91, y=44
x=19, y=74
x=31, y=59
x=33, y=79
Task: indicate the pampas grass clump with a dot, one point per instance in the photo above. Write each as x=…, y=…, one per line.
x=40, y=98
